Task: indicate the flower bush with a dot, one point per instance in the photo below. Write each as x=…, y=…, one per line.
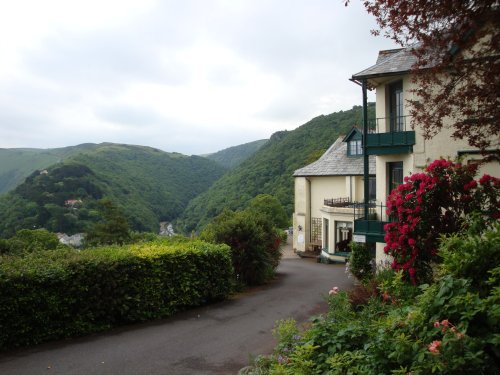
x=431, y=204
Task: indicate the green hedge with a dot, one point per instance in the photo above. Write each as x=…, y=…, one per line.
x=54, y=294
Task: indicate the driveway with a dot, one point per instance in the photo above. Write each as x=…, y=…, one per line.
x=216, y=339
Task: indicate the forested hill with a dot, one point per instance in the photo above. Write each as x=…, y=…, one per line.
x=234, y=156
x=148, y=184
x=270, y=169
x=18, y=163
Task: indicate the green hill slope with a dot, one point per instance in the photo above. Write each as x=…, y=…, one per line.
x=148, y=184
x=233, y=156
x=270, y=169
x=18, y=163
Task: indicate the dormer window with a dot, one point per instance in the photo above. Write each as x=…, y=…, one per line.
x=354, y=142
x=355, y=148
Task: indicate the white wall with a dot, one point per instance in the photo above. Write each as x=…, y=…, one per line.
x=424, y=151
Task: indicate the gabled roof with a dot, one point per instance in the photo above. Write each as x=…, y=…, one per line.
x=354, y=132
x=335, y=162
x=389, y=62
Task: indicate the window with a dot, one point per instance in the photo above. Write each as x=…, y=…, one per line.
x=395, y=170
x=355, y=148
x=396, y=106
x=372, y=188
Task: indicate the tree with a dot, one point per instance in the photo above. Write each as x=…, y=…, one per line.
x=251, y=262
x=431, y=204
x=271, y=209
x=27, y=241
x=112, y=229
x=457, y=48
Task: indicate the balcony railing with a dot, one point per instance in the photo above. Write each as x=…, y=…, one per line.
x=390, y=135
x=338, y=202
x=389, y=124
x=371, y=226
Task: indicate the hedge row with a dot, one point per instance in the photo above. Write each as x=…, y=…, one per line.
x=55, y=294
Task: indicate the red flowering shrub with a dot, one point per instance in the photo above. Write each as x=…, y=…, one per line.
x=430, y=204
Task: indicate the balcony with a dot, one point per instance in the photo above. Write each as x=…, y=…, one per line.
x=371, y=227
x=397, y=140
x=338, y=202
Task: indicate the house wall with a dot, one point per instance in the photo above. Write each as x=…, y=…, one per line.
x=358, y=188
x=310, y=193
x=424, y=151
x=326, y=188
x=302, y=214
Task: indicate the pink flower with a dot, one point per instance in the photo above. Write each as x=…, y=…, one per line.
x=412, y=272
x=437, y=324
x=333, y=291
x=470, y=185
x=445, y=323
x=434, y=346
x=411, y=242
x=485, y=179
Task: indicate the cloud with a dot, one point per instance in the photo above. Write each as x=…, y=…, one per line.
x=189, y=76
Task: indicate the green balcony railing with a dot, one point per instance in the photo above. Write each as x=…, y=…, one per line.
x=390, y=135
x=371, y=227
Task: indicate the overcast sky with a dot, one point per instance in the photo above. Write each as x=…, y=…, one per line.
x=191, y=76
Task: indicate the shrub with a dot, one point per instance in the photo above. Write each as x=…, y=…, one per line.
x=361, y=261
x=430, y=204
x=53, y=294
x=254, y=243
x=27, y=241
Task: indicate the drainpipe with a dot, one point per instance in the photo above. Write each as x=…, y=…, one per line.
x=309, y=210
x=366, y=184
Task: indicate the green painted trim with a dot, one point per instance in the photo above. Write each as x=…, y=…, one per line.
x=392, y=150
x=372, y=229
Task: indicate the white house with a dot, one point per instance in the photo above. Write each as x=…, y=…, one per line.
x=398, y=149
x=326, y=193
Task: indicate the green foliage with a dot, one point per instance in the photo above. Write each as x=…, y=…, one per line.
x=251, y=261
x=314, y=156
x=270, y=170
x=361, y=261
x=149, y=185
x=27, y=241
x=233, y=156
x=267, y=208
x=470, y=256
x=253, y=237
x=18, y=163
x=431, y=204
x=112, y=230
x=51, y=294
x=449, y=327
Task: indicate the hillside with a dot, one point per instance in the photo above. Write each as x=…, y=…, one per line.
x=18, y=163
x=148, y=184
x=270, y=169
x=233, y=156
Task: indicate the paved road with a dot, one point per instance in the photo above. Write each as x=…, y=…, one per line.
x=216, y=339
